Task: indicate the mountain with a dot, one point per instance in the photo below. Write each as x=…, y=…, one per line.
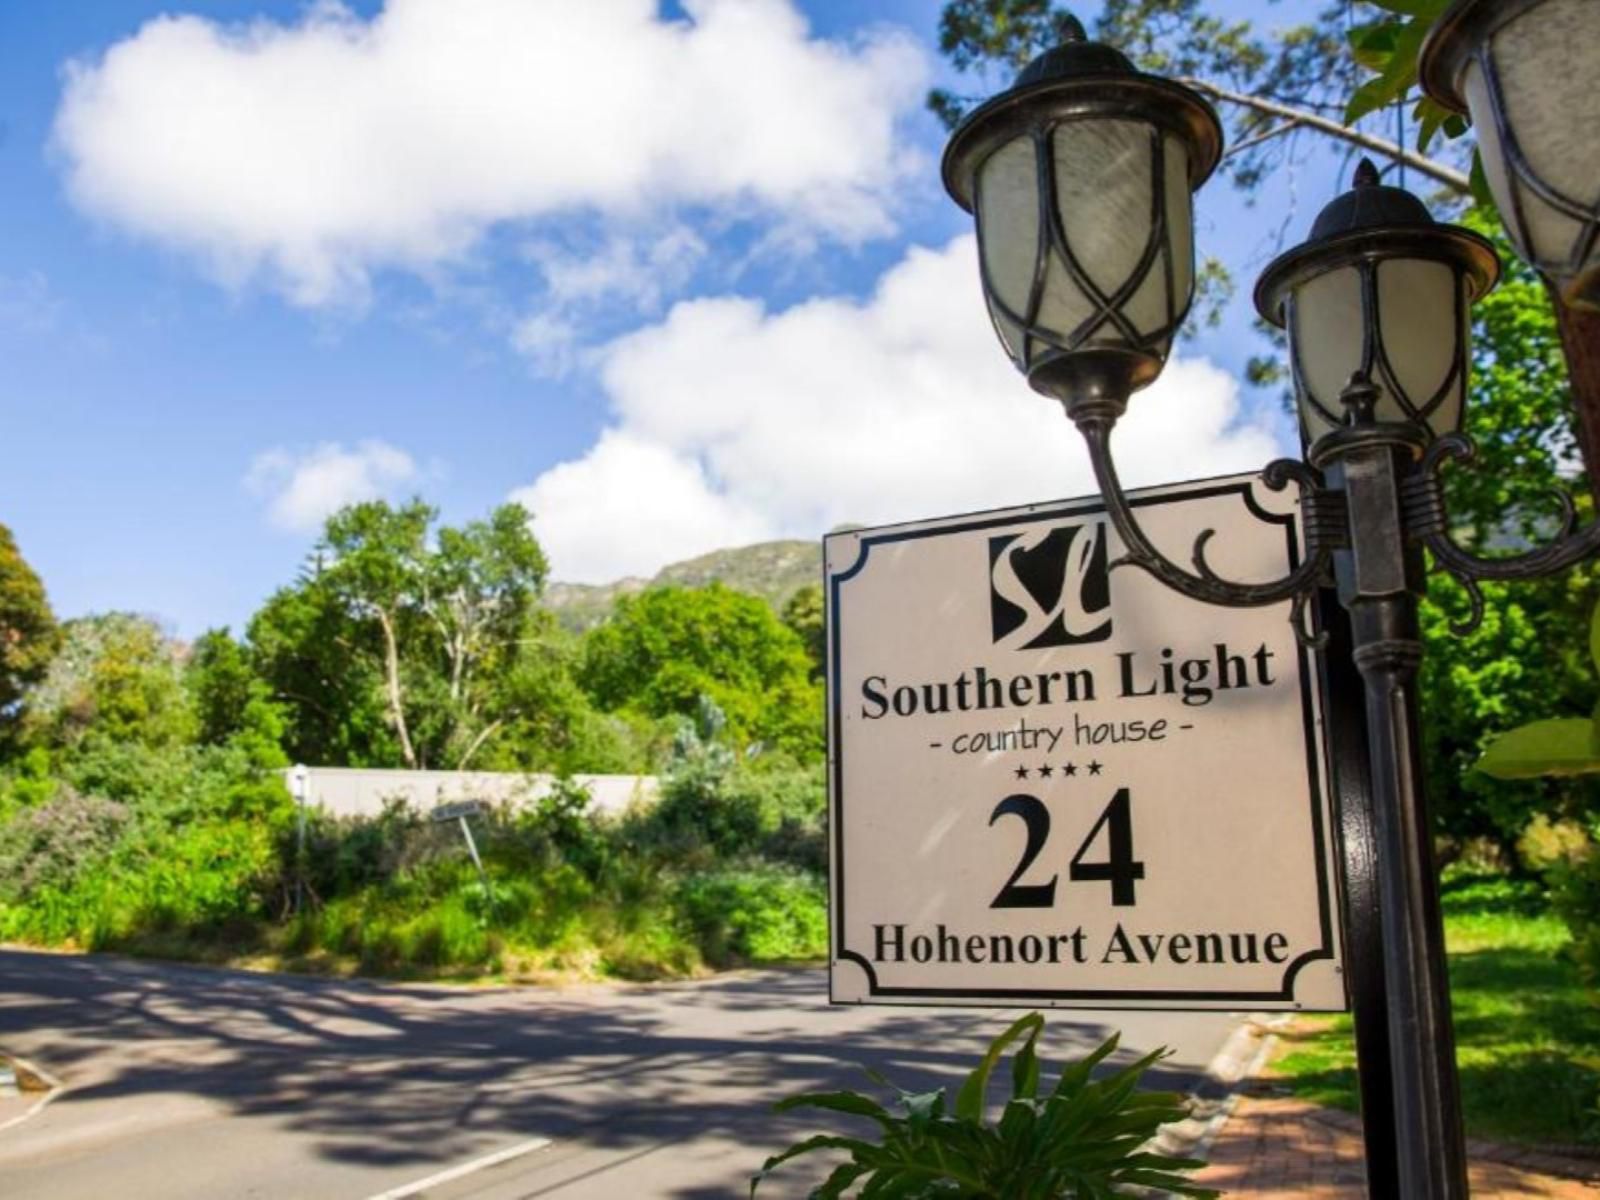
x=772, y=570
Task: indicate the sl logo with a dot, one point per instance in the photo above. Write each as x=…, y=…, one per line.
x=1050, y=587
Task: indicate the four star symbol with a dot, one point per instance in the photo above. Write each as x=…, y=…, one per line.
x=1045, y=770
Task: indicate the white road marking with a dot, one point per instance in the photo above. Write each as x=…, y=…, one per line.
x=466, y=1168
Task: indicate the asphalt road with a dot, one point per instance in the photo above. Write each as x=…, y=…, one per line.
x=188, y=1083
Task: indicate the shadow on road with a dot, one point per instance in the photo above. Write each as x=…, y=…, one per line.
x=394, y=1074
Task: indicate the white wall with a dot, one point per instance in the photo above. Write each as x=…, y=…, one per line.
x=358, y=791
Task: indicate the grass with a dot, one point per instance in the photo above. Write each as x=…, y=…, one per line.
x=1527, y=1029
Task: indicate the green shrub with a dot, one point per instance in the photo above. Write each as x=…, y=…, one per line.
x=1545, y=843
x=1086, y=1137
x=1575, y=896
x=56, y=842
x=716, y=805
x=759, y=914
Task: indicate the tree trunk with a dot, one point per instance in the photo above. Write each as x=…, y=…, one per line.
x=391, y=676
x=1580, y=339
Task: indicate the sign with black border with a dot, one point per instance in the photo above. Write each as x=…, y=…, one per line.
x=1055, y=782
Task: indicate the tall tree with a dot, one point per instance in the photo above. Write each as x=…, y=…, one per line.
x=117, y=678
x=804, y=614
x=414, y=626
x=29, y=636
x=665, y=649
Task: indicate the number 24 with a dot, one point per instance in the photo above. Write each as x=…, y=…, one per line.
x=1120, y=869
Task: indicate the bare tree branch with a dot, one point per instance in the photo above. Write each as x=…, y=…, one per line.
x=1251, y=143
x=1437, y=171
x=477, y=743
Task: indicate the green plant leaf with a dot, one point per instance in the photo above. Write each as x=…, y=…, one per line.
x=1478, y=182
x=1025, y=1067
x=1398, y=75
x=1373, y=45
x=1594, y=637
x=1561, y=746
x=1426, y=10
x=1074, y=1078
x=864, y=1152
x=841, y=1177
x=969, y=1100
x=1088, y=1139
x=846, y=1102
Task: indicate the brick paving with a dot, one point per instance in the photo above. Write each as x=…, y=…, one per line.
x=1277, y=1147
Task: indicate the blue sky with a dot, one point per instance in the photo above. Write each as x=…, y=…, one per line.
x=676, y=277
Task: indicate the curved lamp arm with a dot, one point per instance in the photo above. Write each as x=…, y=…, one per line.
x=1203, y=583
x=1570, y=545
x=1429, y=524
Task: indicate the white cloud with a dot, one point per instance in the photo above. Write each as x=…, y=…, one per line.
x=317, y=151
x=630, y=506
x=548, y=341
x=733, y=423
x=303, y=489
x=638, y=270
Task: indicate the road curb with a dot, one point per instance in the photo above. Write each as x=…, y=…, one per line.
x=1241, y=1058
x=31, y=1078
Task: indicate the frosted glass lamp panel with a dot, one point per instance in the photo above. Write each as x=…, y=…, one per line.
x=1417, y=305
x=1180, y=222
x=1008, y=221
x=1009, y=333
x=1103, y=198
x=1326, y=332
x=1065, y=308
x=1163, y=296
x=1491, y=151
x=1548, y=59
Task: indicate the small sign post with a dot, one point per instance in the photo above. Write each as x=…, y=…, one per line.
x=1056, y=783
x=460, y=811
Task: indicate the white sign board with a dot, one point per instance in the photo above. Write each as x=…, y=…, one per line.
x=1054, y=783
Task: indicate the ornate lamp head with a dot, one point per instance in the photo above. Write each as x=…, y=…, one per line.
x=1080, y=178
x=1526, y=70
x=1380, y=293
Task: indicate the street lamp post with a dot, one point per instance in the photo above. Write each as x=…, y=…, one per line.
x=1080, y=178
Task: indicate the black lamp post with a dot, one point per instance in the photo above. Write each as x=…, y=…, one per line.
x=1080, y=178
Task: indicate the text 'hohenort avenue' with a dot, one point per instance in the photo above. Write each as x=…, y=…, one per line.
x=1196, y=680
x=892, y=944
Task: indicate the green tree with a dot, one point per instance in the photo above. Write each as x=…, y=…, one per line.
x=116, y=678
x=1527, y=657
x=665, y=648
x=804, y=614
x=28, y=632
x=316, y=664
x=221, y=682
x=398, y=641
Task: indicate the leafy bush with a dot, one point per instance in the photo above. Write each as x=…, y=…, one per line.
x=560, y=826
x=1086, y=1137
x=54, y=843
x=715, y=804
x=1575, y=896
x=1545, y=843
x=760, y=914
